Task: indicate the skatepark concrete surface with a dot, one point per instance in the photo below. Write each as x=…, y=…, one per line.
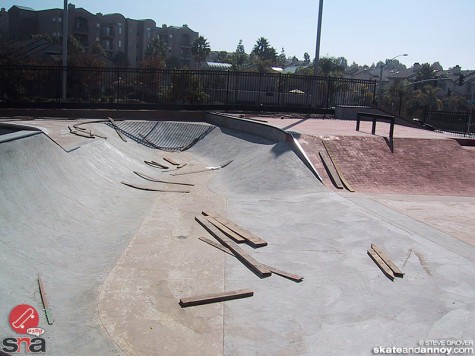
x=116, y=260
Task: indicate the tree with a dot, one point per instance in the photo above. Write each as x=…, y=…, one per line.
x=425, y=72
x=239, y=57
x=156, y=48
x=200, y=50
x=264, y=55
x=264, y=51
x=306, y=58
x=282, y=58
x=329, y=66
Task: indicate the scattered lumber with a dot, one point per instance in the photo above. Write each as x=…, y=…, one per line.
x=217, y=245
x=49, y=316
x=383, y=266
x=291, y=276
x=141, y=175
x=230, y=233
x=156, y=165
x=258, y=268
x=335, y=178
x=251, y=239
x=214, y=298
x=207, y=169
x=397, y=272
x=154, y=189
x=171, y=161
x=337, y=168
x=80, y=133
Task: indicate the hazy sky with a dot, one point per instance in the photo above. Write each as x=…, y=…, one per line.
x=364, y=31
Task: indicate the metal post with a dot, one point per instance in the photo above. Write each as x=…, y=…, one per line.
x=65, y=51
x=317, y=47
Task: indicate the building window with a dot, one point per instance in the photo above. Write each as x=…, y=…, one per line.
x=120, y=44
x=120, y=30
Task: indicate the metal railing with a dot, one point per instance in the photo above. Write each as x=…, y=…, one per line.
x=40, y=86
x=450, y=121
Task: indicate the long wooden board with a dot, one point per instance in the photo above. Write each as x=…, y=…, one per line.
x=153, y=189
x=255, y=266
x=217, y=245
x=338, y=170
x=335, y=178
x=215, y=297
x=141, y=175
x=383, y=266
x=230, y=233
x=253, y=240
x=49, y=316
x=171, y=161
x=291, y=276
x=397, y=272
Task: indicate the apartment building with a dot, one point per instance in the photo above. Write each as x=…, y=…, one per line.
x=114, y=32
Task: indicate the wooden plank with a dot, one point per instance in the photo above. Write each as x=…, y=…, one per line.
x=171, y=161
x=153, y=189
x=216, y=245
x=215, y=297
x=397, y=272
x=255, y=266
x=253, y=240
x=337, y=168
x=291, y=276
x=49, y=316
x=141, y=175
x=335, y=178
x=230, y=233
x=383, y=266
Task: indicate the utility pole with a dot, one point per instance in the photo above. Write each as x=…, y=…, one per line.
x=65, y=51
x=317, y=47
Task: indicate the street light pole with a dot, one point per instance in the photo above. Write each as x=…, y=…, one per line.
x=317, y=47
x=381, y=76
x=65, y=51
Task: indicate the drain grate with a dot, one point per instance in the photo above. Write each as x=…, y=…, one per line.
x=164, y=135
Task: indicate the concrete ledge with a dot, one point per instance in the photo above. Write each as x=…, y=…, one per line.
x=265, y=130
x=17, y=135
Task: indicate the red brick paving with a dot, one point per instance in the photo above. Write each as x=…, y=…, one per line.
x=417, y=166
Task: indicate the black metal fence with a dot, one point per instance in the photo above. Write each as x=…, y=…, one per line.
x=41, y=86
x=450, y=121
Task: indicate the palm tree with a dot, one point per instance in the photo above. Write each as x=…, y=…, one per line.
x=200, y=50
x=264, y=51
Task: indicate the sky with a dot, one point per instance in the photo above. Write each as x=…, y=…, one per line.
x=362, y=31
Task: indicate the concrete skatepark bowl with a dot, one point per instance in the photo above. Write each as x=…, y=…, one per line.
x=115, y=260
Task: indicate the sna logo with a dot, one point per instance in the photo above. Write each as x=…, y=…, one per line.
x=24, y=319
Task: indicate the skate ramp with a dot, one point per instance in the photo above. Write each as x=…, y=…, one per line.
x=116, y=260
